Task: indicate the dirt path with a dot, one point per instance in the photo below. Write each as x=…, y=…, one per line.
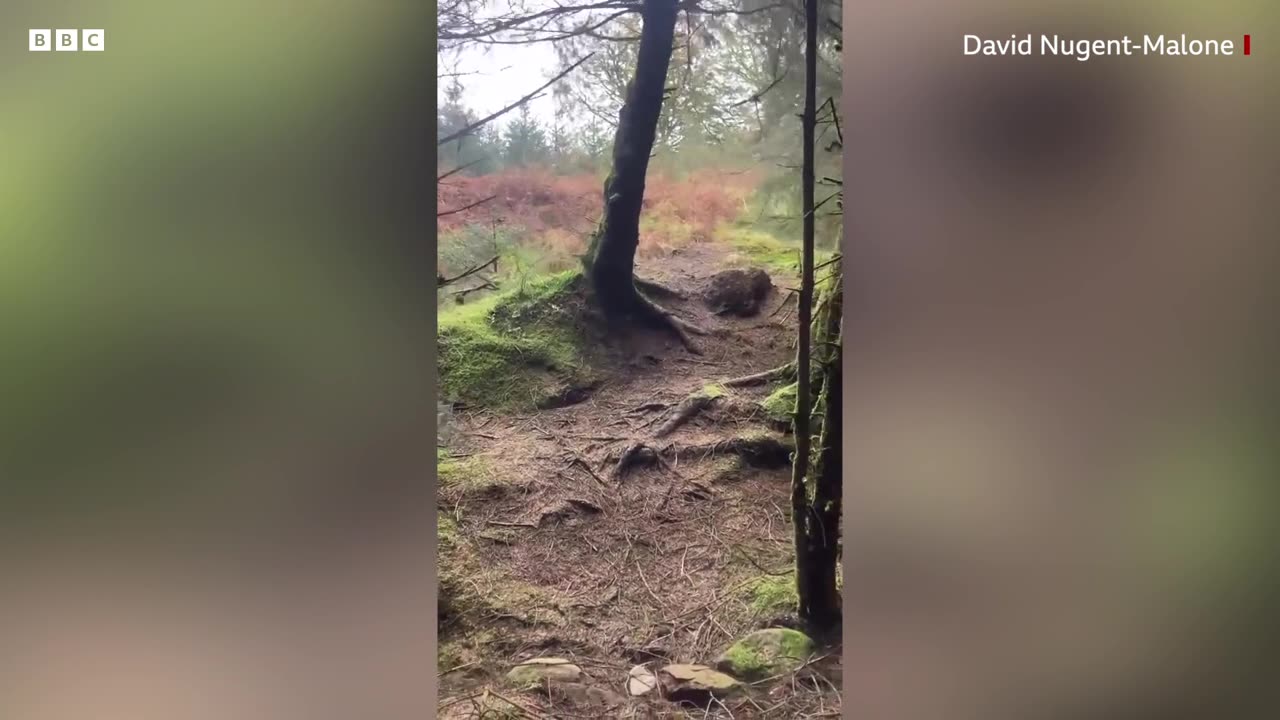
x=671, y=560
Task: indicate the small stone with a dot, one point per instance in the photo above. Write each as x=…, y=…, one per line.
x=535, y=672
x=640, y=681
x=764, y=653
x=695, y=684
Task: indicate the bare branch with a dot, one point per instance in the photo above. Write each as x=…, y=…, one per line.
x=528, y=36
x=458, y=169
x=499, y=25
x=489, y=32
x=692, y=6
x=441, y=280
x=824, y=202
x=756, y=97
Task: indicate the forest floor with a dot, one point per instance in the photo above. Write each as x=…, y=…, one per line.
x=547, y=550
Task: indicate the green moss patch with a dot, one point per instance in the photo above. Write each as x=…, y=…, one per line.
x=744, y=661
x=766, y=653
x=713, y=390
x=514, y=350
x=462, y=472
x=772, y=594
x=780, y=405
x=446, y=533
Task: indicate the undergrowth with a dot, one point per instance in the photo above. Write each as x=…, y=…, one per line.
x=754, y=247
x=515, y=349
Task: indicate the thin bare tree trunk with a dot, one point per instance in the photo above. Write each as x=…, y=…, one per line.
x=801, y=508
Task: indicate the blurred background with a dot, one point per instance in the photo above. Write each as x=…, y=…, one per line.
x=213, y=370
x=1062, y=299
x=213, y=389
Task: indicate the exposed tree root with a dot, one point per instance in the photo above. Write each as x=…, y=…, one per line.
x=685, y=412
x=764, y=451
x=646, y=407
x=639, y=454
x=656, y=289
x=659, y=315
x=682, y=329
x=760, y=378
x=633, y=455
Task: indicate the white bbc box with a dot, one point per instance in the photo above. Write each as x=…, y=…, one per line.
x=67, y=40
x=94, y=40
x=40, y=40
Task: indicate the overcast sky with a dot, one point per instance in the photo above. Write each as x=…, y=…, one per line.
x=506, y=74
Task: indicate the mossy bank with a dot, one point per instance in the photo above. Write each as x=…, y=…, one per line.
x=519, y=349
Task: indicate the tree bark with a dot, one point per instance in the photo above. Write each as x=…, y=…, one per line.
x=819, y=550
x=611, y=257
x=814, y=541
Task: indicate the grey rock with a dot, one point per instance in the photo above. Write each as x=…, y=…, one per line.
x=537, y=671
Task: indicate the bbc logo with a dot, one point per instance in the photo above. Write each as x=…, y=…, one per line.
x=68, y=40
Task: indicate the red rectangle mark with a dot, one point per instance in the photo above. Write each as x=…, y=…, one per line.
x=1246, y=44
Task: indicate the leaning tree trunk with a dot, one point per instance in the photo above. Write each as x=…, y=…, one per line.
x=613, y=252
x=610, y=261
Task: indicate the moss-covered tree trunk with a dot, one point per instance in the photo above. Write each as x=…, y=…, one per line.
x=818, y=524
x=815, y=490
x=610, y=260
